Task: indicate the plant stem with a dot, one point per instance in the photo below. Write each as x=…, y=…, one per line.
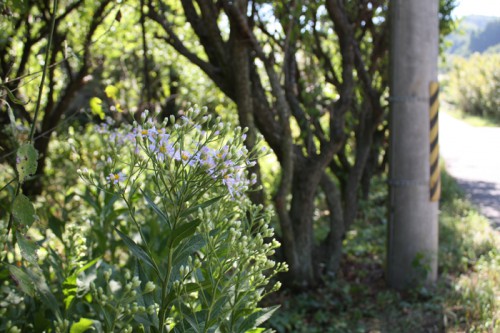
x=146, y=246
x=44, y=72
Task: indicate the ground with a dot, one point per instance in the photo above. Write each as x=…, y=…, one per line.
x=472, y=157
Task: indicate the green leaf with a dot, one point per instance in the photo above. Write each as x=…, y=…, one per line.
x=257, y=318
x=184, y=231
x=56, y=225
x=203, y=205
x=81, y=326
x=28, y=249
x=23, y=210
x=163, y=217
x=256, y=330
x=87, y=265
x=31, y=282
x=26, y=161
x=24, y=280
x=13, y=98
x=44, y=292
x=146, y=299
x=265, y=314
x=198, y=286
x=181, y=254
x=96, y=107
x=12, y=119
x=70, y=287
x=195, y=320
x=137, y=251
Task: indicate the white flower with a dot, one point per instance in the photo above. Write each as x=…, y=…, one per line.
x=115, y=178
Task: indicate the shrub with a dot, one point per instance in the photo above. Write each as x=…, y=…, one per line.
x=475, y=85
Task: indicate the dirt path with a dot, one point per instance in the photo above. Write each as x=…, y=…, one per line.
x=472, y=157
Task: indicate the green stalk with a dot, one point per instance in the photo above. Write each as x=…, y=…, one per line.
x=163, y=311
x=44, y=72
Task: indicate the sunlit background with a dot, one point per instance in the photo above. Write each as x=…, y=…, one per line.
x=478, y=7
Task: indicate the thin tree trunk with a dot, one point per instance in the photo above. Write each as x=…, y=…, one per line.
x=170, y=108
x=333, y=242
x=243, y=88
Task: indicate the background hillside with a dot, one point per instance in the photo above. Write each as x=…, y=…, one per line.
x=475, y=34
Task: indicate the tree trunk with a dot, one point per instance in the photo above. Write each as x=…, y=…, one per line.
x=170, y=108
x=243, y=89
x=332, y=251
x=305, y=183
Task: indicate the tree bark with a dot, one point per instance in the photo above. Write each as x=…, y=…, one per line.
x=332, y=249
x=243, y=98
x=305, y=183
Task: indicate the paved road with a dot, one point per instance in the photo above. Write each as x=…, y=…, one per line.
x=472, y=157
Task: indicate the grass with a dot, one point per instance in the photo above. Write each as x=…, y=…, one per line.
x=472, y=120
x=465, y=299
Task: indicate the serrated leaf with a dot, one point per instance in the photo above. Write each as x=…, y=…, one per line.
x=137, y=251
x=24, y=280
x=26, y=161
x=23, y=210
x=28, y=249
x=81, y=326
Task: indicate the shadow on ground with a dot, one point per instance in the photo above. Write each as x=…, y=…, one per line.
x=486, y=196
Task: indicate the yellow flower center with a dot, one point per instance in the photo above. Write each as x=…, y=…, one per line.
x=184, y=156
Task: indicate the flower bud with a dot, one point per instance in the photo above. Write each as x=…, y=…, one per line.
x=150, y=286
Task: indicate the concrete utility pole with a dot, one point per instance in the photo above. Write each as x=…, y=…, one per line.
x=414, y=184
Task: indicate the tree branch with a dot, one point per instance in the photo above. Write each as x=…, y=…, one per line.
x=172, y=39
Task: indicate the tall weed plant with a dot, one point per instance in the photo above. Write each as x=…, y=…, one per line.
x=158, y=237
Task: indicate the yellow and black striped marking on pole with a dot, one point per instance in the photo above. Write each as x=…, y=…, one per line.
x=435, y=182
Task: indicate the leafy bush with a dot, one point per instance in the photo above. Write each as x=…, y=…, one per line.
x=160, y=237
x=474, y=85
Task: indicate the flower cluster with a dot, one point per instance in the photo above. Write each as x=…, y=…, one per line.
x=183, y=182
x=185, y=142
